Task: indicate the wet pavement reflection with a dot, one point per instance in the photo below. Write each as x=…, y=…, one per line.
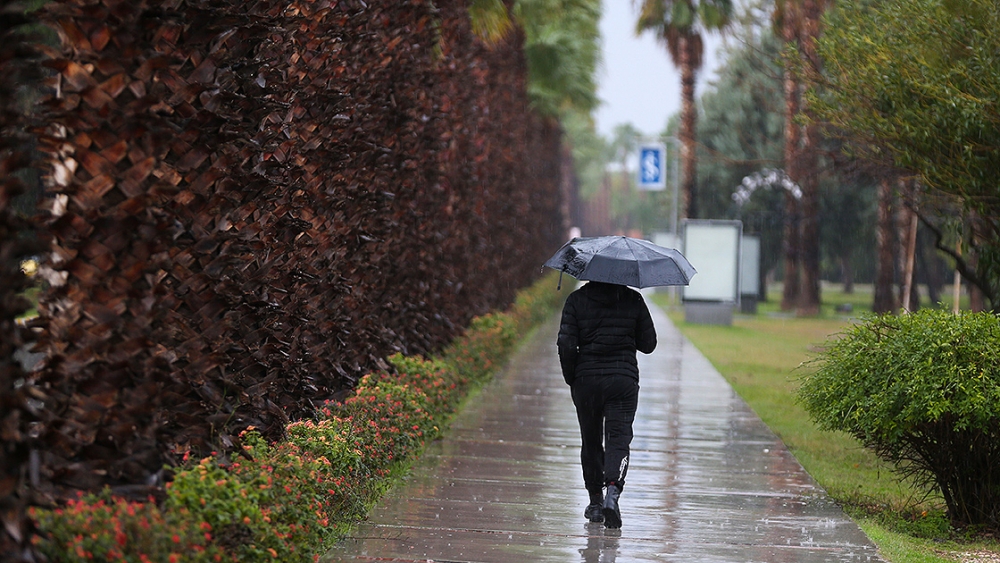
x=708, y=481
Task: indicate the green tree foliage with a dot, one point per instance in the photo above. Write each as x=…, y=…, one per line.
x=921, y=391
x=847, y=230
x=490, y=20
x=742, y=125
x=740, y=133
x=589, y=151
x=562, y=46
x=915, y=85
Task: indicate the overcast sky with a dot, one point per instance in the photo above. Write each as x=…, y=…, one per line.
x=637, y=82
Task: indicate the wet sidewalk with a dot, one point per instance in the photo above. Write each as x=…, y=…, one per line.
x=708, y=481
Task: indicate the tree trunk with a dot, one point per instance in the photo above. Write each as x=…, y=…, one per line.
x=689, y=157
x=790, y=249
x=885, y=299
x=790, y=242
x=847, y=271
x=908, y=236
x=956, y=288
x=977, y=300
x=809, y=298
x=931, y=267
x=762, y=285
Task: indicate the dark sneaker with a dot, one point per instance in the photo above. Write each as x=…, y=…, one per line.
x=612, y=514
x=594, y=512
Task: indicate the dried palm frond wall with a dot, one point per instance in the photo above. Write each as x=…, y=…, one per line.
x=253, y=203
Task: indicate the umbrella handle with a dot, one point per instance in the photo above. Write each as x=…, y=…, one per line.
x=559, y=287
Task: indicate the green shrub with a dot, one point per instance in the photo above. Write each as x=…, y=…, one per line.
x=476, y=354
x=922, y=391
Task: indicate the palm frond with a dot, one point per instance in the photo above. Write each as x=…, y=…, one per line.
x=490, y=19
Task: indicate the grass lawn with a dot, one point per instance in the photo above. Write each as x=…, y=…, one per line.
x=763, y=356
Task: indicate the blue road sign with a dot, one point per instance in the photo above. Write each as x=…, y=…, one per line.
x=652, y=167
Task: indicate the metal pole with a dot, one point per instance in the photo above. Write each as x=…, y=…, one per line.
x=676, y=182
x=674, y=214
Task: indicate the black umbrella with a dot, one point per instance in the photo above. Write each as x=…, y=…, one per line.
x=622, y=260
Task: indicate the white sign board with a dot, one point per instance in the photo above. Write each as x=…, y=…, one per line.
x=667, y=240
x=713, y=247
x=652, y=167
x=750, y=265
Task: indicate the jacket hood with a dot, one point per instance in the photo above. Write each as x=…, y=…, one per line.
x=605, y=292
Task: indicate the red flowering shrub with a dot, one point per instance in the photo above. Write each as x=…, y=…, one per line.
x=386, y=421
x=100, y=528
x=441, y=384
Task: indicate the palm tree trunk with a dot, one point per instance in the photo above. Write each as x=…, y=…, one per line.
x=790, y=249
x=689, y=157
x=790, y=244
x=809, y=299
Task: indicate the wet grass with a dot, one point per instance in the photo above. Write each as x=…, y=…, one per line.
x=764, y=356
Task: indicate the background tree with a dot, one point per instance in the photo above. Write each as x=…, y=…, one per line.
x=807, y=165
x=562, y=47
x=626, y=200
x=913, y=85
x=847, y=228
x=741, y=131
x=589, y=153
x=679, y=25
x=787, y=19
x=799, y=25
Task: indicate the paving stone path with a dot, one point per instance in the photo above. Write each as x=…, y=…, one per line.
x=708, y=481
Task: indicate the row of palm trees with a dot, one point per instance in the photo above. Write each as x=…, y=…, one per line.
x=679, y=25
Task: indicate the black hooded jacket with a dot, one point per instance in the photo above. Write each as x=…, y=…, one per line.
x=602, y=327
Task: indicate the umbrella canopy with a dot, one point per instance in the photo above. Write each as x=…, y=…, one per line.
x=622, y=260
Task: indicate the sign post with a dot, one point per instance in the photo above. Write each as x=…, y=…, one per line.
x=652, y=167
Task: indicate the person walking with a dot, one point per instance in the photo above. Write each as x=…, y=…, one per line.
x=602, y=327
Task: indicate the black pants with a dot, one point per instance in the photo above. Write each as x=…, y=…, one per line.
x=605, y=407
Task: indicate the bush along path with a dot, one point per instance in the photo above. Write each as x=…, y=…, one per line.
x=289, y=501
x=921, y=391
